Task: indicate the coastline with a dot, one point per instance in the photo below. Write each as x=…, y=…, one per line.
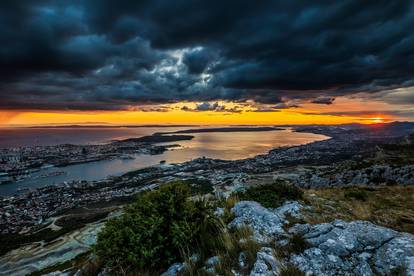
x=223, y=176
x=70, y=156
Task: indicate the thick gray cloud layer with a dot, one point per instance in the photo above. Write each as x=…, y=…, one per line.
x=100, y=54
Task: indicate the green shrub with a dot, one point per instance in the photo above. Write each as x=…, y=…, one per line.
x=272, y=195
x=158, y=229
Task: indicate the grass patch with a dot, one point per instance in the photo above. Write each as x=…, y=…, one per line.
x=389, y=206
x=237, y=241
x=227, y=245
x=272, y=195
x=356, y=193
x=297, y=244
x=227, y=205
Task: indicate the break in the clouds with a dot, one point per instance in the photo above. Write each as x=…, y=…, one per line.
x=110, y=55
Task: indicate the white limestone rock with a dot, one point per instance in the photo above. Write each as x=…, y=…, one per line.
x=354, y=248
x=266, y=264
x=266, y=223
x=174, y=269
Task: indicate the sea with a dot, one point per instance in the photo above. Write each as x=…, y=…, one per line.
x=219, y=145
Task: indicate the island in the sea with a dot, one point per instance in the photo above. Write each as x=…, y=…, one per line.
x=225, y=129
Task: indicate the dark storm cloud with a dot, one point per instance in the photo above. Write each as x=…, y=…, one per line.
x=101, y=54
x=206, y=106
x=323, y=100
x=197, y=60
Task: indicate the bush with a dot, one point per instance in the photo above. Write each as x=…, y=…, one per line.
x=158, y=229
x=272, y=195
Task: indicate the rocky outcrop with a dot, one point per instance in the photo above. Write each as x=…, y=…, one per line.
x=210, y=264
x=336, y=248
x=371, y=176
x=56, y=273
x=174, y=270
x=397, y=253
x=266, y=223
x=266, y=264
x=355, y=248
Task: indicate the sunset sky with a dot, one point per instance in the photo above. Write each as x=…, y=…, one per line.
x=206, y=62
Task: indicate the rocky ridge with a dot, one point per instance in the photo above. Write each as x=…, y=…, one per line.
x=335, y=248
x=371, y=176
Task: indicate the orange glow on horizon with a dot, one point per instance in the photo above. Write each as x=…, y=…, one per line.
x=356, y=111
x=377, y=120
x=181, y=117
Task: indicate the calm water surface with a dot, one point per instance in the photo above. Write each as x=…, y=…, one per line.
x=20, y=137
x=220, y=145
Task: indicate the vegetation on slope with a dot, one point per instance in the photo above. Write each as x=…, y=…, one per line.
x=399, y=154
x=272, y=195
x=168, y=225
x=389, y=206
x=161, y=227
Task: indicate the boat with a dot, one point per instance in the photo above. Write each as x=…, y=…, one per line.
x=163, y=162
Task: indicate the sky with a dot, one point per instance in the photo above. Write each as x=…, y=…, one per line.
x=206, y=62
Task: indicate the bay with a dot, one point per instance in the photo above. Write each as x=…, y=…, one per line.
x=218, y=145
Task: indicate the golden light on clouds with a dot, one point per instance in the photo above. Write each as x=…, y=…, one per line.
x=356, y=110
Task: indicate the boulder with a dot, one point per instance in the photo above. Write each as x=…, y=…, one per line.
x=211, y=263
x=290, y=208
x=266, y=264
x=174, y=269
x=398, y=253
x=354, y=248
x=265, y=223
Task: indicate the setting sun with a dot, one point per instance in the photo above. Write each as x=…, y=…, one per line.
x=377, y=120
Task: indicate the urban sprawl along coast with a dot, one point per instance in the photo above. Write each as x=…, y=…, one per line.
x=311, y=165
x=19, y=163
